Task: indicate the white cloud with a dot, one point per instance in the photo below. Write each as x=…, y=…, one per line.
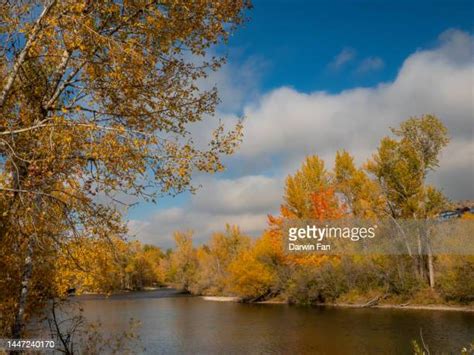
x=456, y=173
x=284, y=125
x=244, y=201
x=345, y=56
x=247, y=194
x=370, y=64
x=288, y=124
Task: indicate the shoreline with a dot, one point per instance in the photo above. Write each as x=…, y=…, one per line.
x=235, y=299
x=221, y=298
x=434, y=307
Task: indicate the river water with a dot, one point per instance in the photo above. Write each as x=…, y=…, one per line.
x=172, y=323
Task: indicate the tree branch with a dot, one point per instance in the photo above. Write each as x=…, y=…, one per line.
x=21, y=58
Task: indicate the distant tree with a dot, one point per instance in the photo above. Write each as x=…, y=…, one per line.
x=183, y=265
x=214, y=260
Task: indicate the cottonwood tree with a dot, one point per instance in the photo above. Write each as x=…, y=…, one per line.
x=183, y=262
x=310, y=178
x=214, y=258
x=401, y=166
x=97, y=97
x=359, y=192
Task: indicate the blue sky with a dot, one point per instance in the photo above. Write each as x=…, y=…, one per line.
x=368, y=53
x=298, y=39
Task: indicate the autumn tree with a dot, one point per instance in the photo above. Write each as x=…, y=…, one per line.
x=360, y=193
x=254, y=273
x=97, y=98
x=182, y=265
x=105, y=265
x=146, y=267
x=214, y=259
x=265, y=269
x=311, y=177
x=308, y=196
x=91, y=265
x=401, y=166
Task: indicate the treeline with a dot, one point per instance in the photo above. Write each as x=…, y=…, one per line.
x=391, y=184
x=257, y=270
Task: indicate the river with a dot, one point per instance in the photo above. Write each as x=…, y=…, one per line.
x=173, y=323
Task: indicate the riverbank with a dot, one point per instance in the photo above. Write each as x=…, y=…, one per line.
x=221, y=298
x=434, y=307
x=167, y=291
x=125, y=290
x=403, y=306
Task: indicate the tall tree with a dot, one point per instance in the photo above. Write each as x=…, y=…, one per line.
x=97, y=97
x=401, y=166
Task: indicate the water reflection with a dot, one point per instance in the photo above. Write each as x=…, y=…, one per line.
x=173, y=323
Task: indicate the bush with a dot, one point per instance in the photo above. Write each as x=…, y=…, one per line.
x=319, y=285
x=456, y=282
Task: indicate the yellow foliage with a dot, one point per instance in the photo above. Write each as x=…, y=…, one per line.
x=250, y=276
x=311, y=177
x=96, y=97
x=104, y=266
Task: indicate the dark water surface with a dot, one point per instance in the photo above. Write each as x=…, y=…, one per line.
x=172, y=323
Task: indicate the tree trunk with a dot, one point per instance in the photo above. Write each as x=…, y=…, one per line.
x=19, y=324
x=420, y=260
x=430, y=267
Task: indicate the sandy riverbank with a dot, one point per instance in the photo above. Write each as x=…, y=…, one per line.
x=221, y=298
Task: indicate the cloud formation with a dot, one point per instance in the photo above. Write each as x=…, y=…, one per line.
x=243, y=201
x=370, y=64
x=285, y=125
x=345, y=56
